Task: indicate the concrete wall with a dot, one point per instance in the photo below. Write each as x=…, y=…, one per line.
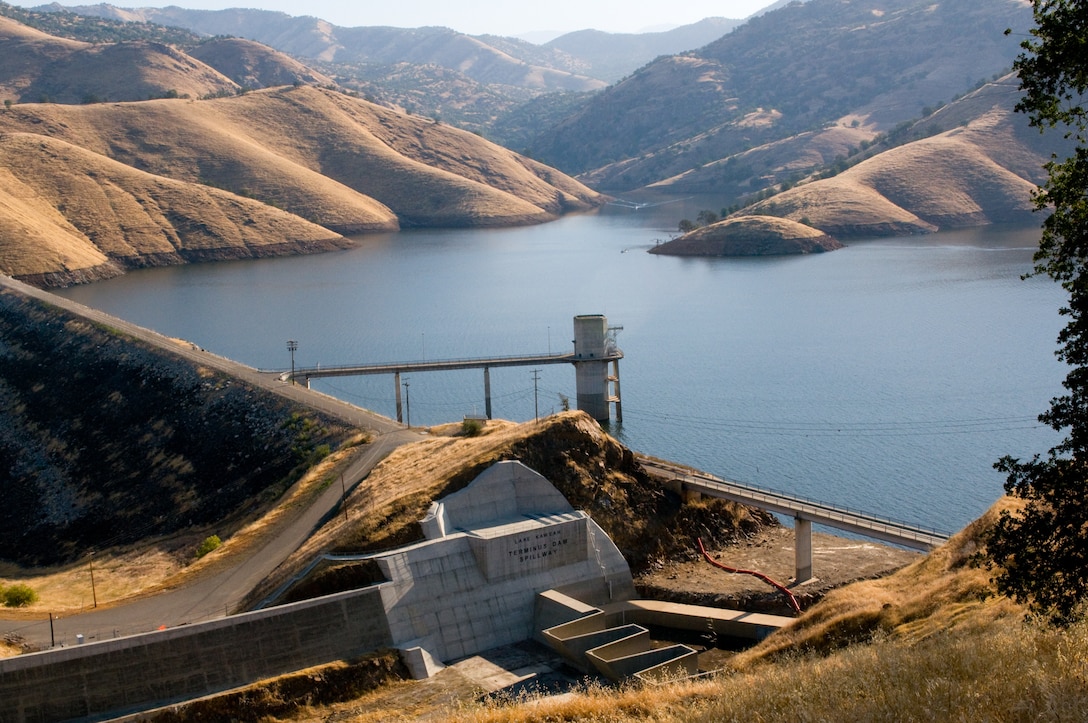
x=473, y=591
x=99, y=680
x=490, y=549
x=503, y=491
x=471, y=586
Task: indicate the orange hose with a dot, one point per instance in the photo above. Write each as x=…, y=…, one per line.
x=785, y=591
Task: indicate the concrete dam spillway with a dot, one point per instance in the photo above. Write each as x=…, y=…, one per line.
x=503, y=560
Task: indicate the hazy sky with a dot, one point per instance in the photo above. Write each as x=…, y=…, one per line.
x=501, y=17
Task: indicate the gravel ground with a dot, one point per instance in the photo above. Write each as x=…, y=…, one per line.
x=836, y=561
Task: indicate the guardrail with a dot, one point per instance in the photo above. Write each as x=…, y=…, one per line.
x=422, y=365
x=863, y=523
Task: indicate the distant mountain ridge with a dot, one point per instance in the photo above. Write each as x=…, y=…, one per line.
x=831, y=90
x=610, y=55
x=486, y=59
x=867, y=65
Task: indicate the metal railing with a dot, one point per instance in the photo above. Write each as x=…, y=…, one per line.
x=786, y=503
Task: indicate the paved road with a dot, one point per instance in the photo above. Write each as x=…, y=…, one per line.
x=213, y=595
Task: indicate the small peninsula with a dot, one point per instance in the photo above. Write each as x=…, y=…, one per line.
x=750, y=236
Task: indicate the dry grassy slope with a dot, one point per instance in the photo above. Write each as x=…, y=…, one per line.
x=938, y=593
x=34, y=65
x=190, y=142
x=69, y=214
x=23, y=51
x=964, y=177
x=592, y=470
x=335, y=161
x=253, y=65
x=315, y=153
x=780, y=160
x=36, y=239
x=429, y=173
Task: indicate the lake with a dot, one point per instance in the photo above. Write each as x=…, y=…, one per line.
x=887, y=376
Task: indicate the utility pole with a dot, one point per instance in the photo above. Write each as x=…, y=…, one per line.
x=344, y=496
x=536, y=406
x=90, y=566
x=292, y=346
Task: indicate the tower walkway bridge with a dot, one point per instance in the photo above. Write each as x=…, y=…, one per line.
x=692, y=483
x=596, y=359
x=436, y=365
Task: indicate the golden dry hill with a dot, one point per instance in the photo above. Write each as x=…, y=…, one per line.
x=253, y=65
x=279, y=163
x=69, y=215
x=35, y=66
x=977, y=174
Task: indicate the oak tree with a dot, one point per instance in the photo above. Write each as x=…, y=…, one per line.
x=1039, y=554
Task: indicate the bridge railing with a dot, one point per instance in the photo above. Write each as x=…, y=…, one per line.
x=771, y=495
x=483, y=360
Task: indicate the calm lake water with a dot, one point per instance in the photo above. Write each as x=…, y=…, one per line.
x=887, y=376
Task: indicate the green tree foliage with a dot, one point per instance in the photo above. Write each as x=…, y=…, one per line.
x=210, y=543
x=1040, y=554
x=19, y=596
x=471, y=427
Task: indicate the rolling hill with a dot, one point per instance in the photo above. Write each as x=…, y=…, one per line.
x=981, y=172
x=971, y=176
x=94, y=189
x=36, y=67
x=253, y=65
x=866, y=65
x=314, y=39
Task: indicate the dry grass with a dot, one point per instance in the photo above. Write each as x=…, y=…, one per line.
x=940, y=592
x=270, y=172
x=383, y=509
x=121, y=574
x=969, y=176
x=750, y=236
x=34, y=64
x=68, y=208
x=1005, y=671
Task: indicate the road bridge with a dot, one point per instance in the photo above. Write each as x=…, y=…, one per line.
x=691, y=483
x=594, y=352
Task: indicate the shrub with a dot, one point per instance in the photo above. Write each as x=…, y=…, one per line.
x=471, y=427
x=210, y=543
x=19, y=596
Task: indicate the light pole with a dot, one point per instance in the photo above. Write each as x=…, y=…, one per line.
x=536, y=407
x=90, y=566
x=407, y=404
x=292, y=346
